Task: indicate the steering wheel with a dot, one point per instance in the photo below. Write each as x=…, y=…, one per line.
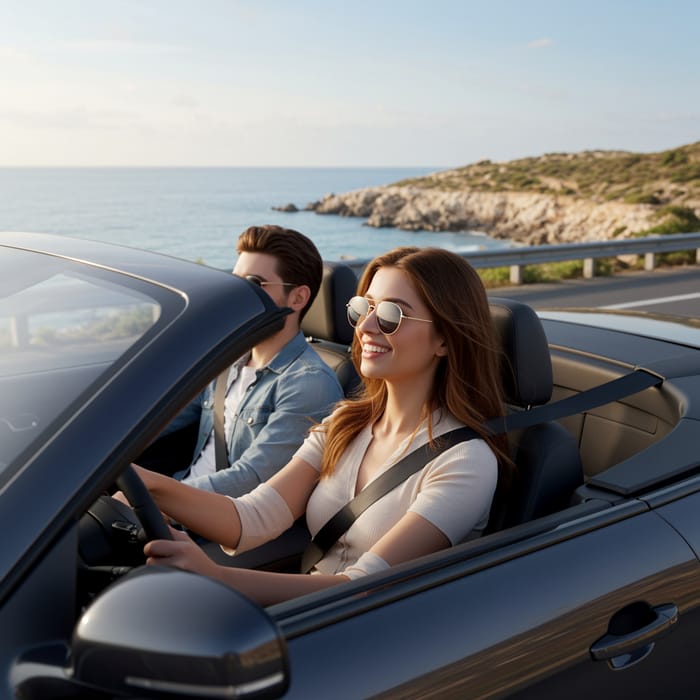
x=144, y=506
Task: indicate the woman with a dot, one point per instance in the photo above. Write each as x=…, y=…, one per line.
x=425, y=347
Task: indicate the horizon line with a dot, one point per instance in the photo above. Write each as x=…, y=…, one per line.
x=224, y=167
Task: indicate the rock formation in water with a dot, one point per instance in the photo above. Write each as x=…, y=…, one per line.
x=519, y=216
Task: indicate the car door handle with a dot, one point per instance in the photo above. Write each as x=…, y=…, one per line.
x=611, y=646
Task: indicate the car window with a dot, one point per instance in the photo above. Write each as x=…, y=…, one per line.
x=63, y=325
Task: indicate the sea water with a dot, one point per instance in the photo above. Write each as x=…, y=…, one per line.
x=197, y=213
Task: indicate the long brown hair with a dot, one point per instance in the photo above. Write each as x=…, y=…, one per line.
x=467, y=381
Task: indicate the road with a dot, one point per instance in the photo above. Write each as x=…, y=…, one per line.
x=665, y=290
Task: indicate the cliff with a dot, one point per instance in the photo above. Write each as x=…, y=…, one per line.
x=555, y=198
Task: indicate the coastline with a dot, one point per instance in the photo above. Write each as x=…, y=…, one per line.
x=520, y=217
x=550, y=199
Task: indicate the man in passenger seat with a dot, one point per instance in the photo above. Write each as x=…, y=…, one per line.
x=277, y=392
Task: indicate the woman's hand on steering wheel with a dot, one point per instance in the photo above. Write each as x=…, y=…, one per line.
x=140, y=499
x=181, y=552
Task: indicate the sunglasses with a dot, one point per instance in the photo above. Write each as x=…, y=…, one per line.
x=388, y=314
x=260, y=282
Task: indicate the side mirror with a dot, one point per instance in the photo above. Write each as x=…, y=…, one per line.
x=161, y=632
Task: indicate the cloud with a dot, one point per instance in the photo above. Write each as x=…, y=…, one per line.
x=75, y=119
x=540, y=43
x=185, y=102
x=122, y=46
x=11, y=54
x=545, y=92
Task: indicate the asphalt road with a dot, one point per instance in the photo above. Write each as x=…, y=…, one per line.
x=664, y=290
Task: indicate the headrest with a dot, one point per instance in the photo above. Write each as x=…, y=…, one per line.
x=526, y=366
x=327, y=319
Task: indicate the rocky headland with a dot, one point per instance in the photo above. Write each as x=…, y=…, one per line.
x=522, y=217
x=555, y=198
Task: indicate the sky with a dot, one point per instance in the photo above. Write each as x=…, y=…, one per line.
x=360, y=83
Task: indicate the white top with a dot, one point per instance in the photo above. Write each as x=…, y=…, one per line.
x=453, y=491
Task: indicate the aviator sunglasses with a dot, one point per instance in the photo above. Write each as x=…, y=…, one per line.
x=388, y=314
x=262, y=283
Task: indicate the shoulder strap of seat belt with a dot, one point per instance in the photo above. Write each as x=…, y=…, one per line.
x=600, y=395
x=220, y=449
x=615, y=389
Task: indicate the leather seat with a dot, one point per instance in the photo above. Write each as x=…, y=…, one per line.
x=326, y=325
x=547, y=458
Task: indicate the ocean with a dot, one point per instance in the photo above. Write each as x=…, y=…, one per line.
x=197, y=213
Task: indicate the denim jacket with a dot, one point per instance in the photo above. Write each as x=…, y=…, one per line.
x=292, y=392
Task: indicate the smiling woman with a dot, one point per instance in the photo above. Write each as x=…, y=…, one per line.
x=430, y=365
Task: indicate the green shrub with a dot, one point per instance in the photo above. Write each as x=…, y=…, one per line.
x=676, y=219
x=534, y=274
x=677, y=257
x=494, y=276
x=565, y=270
x=674, y=157
x=604, y=267
x=641, y=198
x=687, y=173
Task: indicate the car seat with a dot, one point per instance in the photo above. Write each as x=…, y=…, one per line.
x=547, y=459
x=326, y=326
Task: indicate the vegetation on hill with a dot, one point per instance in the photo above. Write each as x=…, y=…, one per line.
x=669, y=182
x=669, y=177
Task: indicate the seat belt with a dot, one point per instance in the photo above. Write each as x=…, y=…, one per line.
x=328, y=535
x=220, y=449
x=616, y=389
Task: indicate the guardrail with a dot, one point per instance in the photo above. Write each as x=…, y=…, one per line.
x=519, y=257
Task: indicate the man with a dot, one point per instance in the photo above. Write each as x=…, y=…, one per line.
x=274, y=394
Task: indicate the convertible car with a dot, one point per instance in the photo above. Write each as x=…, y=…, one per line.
x=587, y=583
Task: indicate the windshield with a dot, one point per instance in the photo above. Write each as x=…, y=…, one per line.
x=63, y=326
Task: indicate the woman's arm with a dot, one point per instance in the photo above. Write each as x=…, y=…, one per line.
x=208, y=514
x=411, y=537
x=265, y=587
x=213, y=515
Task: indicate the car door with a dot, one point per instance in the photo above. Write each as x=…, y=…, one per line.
x=523, y=620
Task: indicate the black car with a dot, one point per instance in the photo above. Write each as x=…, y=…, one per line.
x=587, y=584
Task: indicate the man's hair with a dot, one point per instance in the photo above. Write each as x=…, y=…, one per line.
x=298, y=259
